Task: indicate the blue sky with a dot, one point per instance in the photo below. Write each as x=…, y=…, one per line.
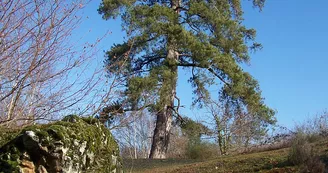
x=291, y=67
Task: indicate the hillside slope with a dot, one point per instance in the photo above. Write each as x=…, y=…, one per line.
x=274, y=161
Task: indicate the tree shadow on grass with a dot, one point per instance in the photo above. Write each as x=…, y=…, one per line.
x=273, y=165
x=324, y=159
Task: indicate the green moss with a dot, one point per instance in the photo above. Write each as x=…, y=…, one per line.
x=71, y=118
x=7, y=135
x=9, y=166
x=9, y=161
x=90, y=120
x=93, y=132
x=58, y=132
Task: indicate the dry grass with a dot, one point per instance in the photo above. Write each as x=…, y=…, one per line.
x=274, y=161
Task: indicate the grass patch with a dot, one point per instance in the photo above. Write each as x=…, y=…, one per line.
x=144, y=165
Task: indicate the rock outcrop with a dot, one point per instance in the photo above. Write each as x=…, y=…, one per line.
x=73, y=145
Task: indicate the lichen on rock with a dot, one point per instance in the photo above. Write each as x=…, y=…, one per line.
x=73, y=145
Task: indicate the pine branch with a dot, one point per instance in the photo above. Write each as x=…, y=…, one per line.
x=203, y=67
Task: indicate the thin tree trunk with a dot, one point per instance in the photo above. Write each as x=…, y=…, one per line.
x=135, y=138
x=220, y=135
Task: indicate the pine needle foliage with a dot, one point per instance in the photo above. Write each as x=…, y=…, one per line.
x=207, y=36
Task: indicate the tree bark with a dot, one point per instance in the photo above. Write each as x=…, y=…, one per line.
x=161, y=136
x=163, y=126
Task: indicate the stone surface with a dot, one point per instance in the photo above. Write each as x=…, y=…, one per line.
x=73, y=145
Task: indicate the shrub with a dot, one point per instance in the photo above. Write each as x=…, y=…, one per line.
x=302, y=154
x=314, y=164
x=178, y=144
x=203, y=150
x=314, y=128
x=300, y=151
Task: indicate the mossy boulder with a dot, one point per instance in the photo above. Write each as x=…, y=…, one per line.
x=74, y=144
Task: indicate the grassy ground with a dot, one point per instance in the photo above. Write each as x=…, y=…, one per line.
x=269, y=161
x=149, y=165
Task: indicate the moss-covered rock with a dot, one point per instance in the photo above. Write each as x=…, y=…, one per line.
x=72, y=145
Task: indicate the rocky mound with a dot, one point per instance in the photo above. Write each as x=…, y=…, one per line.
x=72, y=145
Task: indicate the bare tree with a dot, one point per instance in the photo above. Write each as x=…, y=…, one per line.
x=234, y=126
x=222, y=122
x=178, y=143
x=135, y=135
x=42, y=72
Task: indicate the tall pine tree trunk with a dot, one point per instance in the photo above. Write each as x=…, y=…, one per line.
x=162, y=130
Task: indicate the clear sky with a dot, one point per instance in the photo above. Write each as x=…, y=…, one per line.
x=291, y=67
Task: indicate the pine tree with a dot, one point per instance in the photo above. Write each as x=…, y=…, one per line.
x=206, y=36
